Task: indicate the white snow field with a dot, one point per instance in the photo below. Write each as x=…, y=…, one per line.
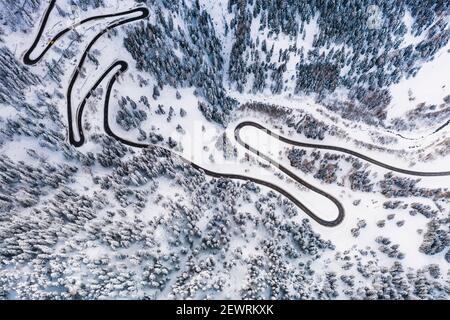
x=167, y=204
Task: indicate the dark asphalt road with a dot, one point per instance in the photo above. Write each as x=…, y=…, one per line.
x=327, y=147
x=122, y=66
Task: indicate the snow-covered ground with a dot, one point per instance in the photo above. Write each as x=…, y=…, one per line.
x=165, y=208
x=434, y=72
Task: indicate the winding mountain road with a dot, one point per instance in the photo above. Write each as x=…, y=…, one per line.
x=27, y=56
x=144, y=12
x=120, y=66
x=327, y=147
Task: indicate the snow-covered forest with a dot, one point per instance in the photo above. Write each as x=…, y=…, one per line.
x=131, y=214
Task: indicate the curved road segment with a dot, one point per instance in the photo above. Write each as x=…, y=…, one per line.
x=122, y=66
x=327, y=147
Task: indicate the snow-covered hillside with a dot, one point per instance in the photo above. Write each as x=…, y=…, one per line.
x=160, y=199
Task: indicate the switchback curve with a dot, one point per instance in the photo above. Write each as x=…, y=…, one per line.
x=326, y=147
x=122, y=66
